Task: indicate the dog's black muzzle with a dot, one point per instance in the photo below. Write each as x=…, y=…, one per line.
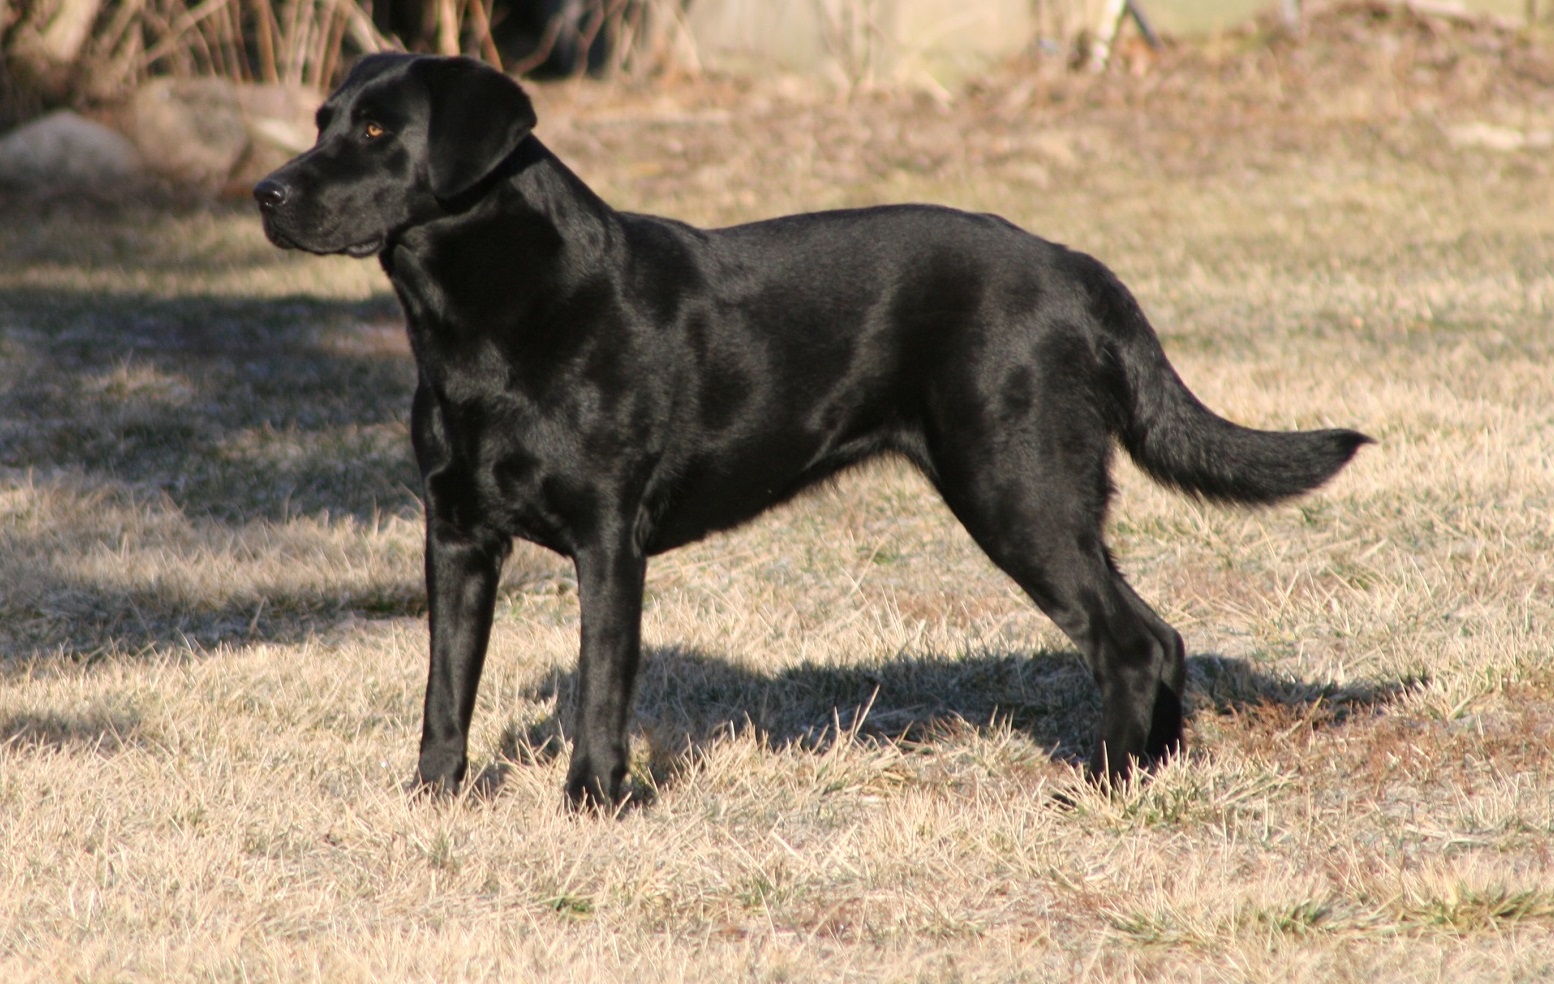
x=271, y=194
x=278, y=210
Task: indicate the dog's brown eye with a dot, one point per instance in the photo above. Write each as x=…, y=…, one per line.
x=373, y=131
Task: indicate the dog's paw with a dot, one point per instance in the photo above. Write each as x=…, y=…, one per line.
x=594, y=791
x=432, y=789
x=438, y=778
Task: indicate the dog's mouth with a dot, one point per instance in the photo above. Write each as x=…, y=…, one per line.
x=365, y=248
x=279, y=238
x=371, y=246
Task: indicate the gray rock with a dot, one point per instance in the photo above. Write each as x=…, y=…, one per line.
x=280, y=115
x=280, y=126
x=67, y=152
x=212, y=135
x=189, y=131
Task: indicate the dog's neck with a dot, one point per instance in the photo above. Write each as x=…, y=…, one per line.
x=532, y=215
x=532, y=183
x=583, y=219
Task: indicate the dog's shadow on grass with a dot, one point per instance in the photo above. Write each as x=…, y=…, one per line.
x=167, y=430
x=688, y=701
x=232, y=409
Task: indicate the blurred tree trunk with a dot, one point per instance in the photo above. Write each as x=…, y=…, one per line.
x=46, y=44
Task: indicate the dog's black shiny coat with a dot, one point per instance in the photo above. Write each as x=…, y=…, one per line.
x=612, y=385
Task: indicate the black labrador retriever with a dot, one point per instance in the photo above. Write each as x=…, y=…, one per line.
x=612, y=385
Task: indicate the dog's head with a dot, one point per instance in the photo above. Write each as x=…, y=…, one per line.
x=401, y=137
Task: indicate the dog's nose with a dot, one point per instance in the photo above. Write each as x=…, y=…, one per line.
x=270, y=194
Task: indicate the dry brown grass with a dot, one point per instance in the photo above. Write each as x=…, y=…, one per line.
x=854, y=737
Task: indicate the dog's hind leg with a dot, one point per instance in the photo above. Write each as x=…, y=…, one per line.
x=1036, y=507
x=1165, y=731
x=1136, y=659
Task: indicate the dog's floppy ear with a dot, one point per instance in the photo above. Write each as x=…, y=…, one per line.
x=478, y=116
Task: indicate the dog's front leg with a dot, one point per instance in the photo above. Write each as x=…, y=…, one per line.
x=609, y=589
x=461, y=578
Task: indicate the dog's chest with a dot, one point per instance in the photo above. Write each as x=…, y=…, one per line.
x=503, y=462
x=541, y=451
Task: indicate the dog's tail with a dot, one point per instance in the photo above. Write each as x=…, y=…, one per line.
x=1183, y=444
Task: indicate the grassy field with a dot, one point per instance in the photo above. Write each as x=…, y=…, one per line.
x=856, y=742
